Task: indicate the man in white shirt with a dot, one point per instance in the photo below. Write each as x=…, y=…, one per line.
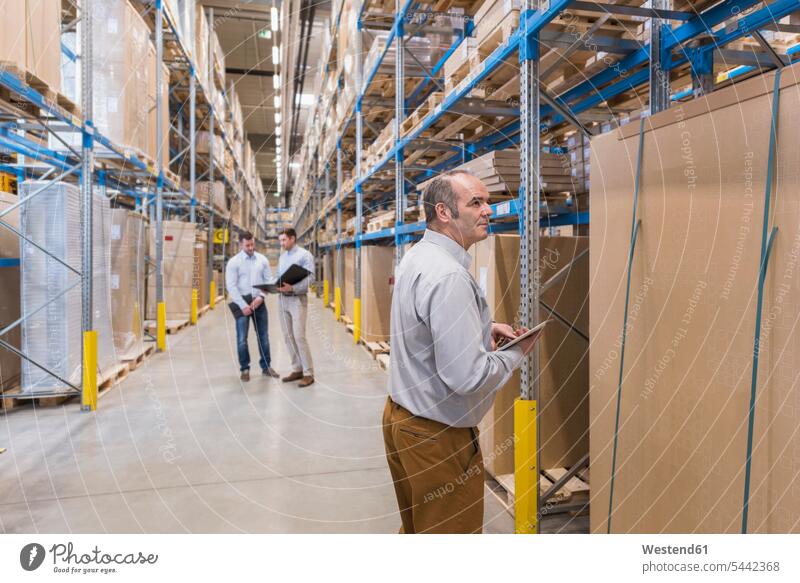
x=293, y=308
x=246, y=269
x=444, y=369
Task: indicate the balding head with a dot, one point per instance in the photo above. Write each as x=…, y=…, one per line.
x=456, y=204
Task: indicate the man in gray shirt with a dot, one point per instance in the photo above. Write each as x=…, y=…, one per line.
x=444, y=368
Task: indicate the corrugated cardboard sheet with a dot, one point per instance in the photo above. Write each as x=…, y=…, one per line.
x=691, y=320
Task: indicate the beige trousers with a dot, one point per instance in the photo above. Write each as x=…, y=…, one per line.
x=293, y=313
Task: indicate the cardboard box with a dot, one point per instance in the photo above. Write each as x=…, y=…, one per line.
x=200, y=273
x=9, y=294
x=348, y=280
x=42, y=40
x=563, y=387
x=178, y=267
x=218, y=194
x=377, y=283
x=128, y=240
x=13, y=34
x=685, y=395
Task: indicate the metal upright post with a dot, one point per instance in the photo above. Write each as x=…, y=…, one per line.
x=192, y=142
x=161, y=321
x=659, y=76
x=338, y=272
x=211, y=285
x=320, y=257
x=526, y=427
x=399, y=117
x=359, y=64
x=89, y=348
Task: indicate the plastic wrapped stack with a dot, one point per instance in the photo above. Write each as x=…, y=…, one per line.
x=52, y=336
x=128, y=240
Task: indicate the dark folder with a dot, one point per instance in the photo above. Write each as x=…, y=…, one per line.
x=295, y=274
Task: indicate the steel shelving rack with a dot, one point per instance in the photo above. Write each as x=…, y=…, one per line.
x=99, y=163
x=678, y=40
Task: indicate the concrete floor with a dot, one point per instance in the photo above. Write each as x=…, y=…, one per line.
x=181, y=445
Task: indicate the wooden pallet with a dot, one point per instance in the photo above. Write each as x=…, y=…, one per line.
x=376, y=348
x=30, y=80
x=172, y=326
x=383, y=361
x=382, y=221
x=111, y=377
x=105, y=381
x=135, y=359
x=499, y=35
x=415, y=119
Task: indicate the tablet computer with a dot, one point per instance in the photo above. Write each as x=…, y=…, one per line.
x=531, y=332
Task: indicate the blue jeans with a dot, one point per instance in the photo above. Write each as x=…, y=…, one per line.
x=259, y=318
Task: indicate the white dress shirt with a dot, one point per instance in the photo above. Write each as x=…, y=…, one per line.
x=244, y=271
x=442, y=363
x=297, y=255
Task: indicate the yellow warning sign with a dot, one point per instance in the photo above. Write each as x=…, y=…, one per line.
x=221, y=236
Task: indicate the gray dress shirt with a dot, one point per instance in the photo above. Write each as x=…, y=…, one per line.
x=442, y=364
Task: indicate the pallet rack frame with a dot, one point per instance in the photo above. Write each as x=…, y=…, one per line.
x=689, y=41
x=146, y=183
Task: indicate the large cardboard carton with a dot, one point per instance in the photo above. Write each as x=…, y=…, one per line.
x=348, y=281
x=9, y=294
x=42, y=40
x=13, y=34
x=377, y=282
x=685, y=395
x=563, y=400
x=178, y=270
x=200, y=273
x=128, y=240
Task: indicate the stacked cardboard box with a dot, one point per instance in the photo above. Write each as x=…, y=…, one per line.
x=685, y=396
x=123, y=78
x=200, y=271
x=564, y=389
x=9, y=294
x=178, y=269
x=218, y=200
x=128, y=240
x=52, y=336
x=377, y=283
x=30, y=39
x=201, y=45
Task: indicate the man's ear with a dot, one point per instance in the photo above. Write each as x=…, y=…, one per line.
x=443, y=212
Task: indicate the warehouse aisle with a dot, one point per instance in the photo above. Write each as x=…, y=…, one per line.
x=181, y=445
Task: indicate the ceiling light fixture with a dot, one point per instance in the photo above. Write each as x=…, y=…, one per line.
x=274, y=23
x=276, y=55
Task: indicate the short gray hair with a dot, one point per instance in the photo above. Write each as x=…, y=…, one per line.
x=440, y=190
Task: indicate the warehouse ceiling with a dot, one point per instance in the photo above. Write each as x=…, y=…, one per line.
x=242, y=30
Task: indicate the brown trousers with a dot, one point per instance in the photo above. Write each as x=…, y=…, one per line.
x=437, y=472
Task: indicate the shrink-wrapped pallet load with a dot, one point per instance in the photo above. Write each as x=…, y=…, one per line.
x=52, y=336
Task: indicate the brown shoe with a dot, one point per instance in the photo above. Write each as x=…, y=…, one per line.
x=295, y=376
x=307, y=380
x=245, y=376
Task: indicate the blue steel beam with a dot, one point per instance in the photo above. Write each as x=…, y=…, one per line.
x=699, y=24
x=389, y=40
x=535, y=22
x=754, y=21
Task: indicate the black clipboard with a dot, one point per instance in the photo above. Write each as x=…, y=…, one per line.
x=295, y=274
